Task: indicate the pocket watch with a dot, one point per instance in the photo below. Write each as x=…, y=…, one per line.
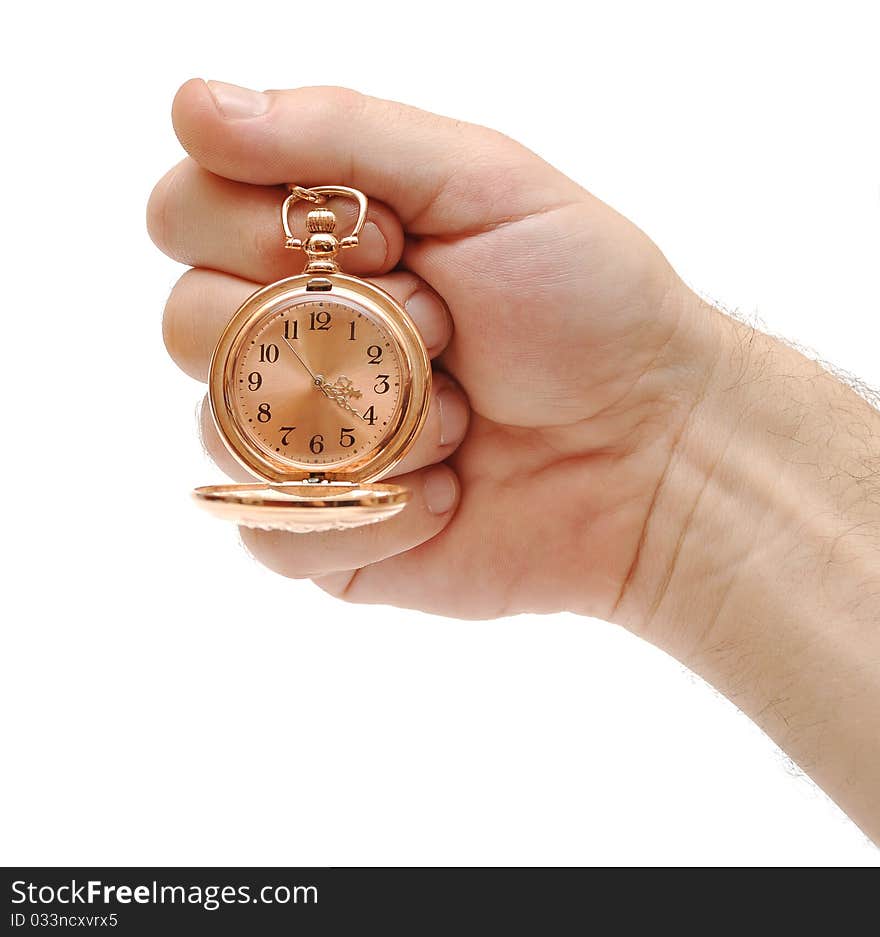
x=318, y=386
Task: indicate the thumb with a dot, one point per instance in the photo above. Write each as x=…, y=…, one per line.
x=441, y=176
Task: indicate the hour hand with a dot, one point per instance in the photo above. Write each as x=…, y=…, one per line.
x=342, y=391
x=342, y=387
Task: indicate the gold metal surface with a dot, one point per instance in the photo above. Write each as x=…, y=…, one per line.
x=281, y=379
x=322, y=245
x=404, y=423
x=302, y=507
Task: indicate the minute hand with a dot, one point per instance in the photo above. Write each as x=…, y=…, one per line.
x=300, y=360
x=327, y=389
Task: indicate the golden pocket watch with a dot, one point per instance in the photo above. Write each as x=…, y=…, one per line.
x=318, y=386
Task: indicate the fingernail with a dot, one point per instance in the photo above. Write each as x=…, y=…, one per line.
x=453, y=417
x=429, y=314
x=439, y=491
x=238, y=103
x=373, y=238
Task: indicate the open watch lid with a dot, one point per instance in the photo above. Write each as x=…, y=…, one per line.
x=282, y=359
x=303, y=506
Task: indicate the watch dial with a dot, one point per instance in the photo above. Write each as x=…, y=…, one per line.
x=317, y=383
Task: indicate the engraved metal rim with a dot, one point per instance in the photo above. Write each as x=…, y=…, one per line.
x=258, y=506
x=274, y=497
x=416, y=374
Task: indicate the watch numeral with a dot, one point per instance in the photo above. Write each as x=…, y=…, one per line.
x=382, y=384
x=316, y=444
x=346, y=437
x=264, y=414
x=351, y=331
x=269, y=353
x=374, y=353
x=291, y=332
x=370, y=415
x=255, y=380
x=285, y=432
x=320, y=321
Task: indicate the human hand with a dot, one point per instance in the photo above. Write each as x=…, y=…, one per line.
x=627, y=452
x=564, y=329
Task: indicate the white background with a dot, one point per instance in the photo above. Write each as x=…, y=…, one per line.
x=165, y=700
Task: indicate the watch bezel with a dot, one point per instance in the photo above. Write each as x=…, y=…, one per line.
x=410, y=414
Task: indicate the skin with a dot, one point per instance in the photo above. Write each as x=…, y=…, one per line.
x=601, y=440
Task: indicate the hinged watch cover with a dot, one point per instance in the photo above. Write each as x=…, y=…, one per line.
x=303, y=507
x=308, y=495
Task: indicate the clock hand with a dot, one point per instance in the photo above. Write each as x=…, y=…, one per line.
x=338, y=392
x=315, y=377
x=347, y=406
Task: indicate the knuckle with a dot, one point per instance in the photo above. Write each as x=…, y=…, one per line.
x=156, y=212
x=314, y=105
x=179, y=327
x=270, y=548
x=345, y=101
x=163, y=212
x=176, y=303
x=263, y=244
x=441, y=382
x=405, y=285
x=340, y=585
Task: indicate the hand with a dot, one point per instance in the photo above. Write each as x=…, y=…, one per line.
x=631, y=453
x=563, y=329
x=341, y=391
x=317, y=383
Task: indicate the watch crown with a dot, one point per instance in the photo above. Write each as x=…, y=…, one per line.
x=321, y=220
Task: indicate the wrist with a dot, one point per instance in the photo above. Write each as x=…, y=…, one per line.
x=759, y=563
x=774, y=480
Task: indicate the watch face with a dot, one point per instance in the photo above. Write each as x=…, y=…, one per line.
x=317, y=382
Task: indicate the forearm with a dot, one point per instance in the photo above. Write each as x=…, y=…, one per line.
x=760, y=563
